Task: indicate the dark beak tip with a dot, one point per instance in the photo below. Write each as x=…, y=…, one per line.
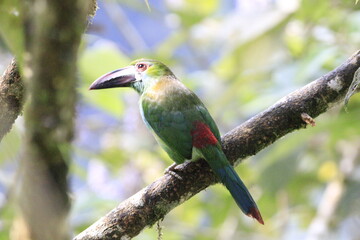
x=95, y=85
x=92, y=87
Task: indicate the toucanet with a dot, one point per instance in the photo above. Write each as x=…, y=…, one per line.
x=180, y=122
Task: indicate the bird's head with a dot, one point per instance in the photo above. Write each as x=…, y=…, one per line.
x=139, y=75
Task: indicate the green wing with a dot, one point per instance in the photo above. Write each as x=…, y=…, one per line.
x=171, y=120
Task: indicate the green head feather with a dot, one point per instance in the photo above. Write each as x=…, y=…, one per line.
x=154, y=71
x=155, y=68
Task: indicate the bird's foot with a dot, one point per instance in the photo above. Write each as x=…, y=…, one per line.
x=171, y=168
x=172, y=171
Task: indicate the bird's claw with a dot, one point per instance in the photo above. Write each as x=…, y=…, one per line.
x=171, y=168
x=172, y=171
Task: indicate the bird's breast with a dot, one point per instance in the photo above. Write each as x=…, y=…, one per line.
x=157, y=92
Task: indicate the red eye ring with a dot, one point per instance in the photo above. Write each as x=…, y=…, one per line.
x=141, y=67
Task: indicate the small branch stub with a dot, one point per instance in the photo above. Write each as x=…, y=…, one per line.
x=309, y=120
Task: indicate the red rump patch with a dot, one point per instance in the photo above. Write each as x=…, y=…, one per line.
x=202, y=135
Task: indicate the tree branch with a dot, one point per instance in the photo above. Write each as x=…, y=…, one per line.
x=11, y=98
x=153, y=202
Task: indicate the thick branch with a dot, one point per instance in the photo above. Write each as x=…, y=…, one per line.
x=156, y=200
x=11, y=98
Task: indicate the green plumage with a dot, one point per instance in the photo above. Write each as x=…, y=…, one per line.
x=168, y=108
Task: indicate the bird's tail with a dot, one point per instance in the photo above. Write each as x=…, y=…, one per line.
x=233, y=183
x=238, y=190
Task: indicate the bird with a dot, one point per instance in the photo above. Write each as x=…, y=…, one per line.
x=180, y=122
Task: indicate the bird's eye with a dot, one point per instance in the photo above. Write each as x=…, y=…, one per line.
x=141, y=67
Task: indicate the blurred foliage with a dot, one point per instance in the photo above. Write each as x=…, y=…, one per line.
x=11, y=28
x=240, y=57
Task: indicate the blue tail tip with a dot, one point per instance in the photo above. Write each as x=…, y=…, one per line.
x=255, y=213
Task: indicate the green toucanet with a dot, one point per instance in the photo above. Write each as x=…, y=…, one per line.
x=180, y=122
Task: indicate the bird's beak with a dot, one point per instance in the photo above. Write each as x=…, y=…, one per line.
x=119, y=78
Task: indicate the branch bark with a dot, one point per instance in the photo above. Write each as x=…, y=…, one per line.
x=11, y=98
x=154, y=201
